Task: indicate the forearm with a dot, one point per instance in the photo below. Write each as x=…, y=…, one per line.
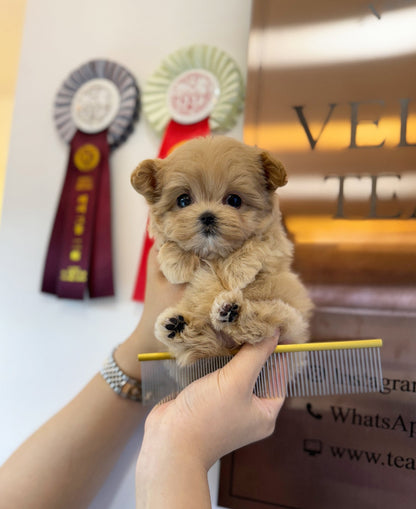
x=63, y=464
x=170, y=478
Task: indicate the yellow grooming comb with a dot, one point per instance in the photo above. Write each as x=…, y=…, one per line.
x=300, y=370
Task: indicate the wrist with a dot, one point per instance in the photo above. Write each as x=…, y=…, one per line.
x=167, y=476
x=141, y=340
x=125, y=356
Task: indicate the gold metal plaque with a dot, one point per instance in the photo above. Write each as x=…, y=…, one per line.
x=332, y=93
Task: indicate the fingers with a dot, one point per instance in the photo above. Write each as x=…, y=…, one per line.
x=247, y=363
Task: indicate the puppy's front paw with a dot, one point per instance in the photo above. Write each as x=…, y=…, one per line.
x=177, y=266
x=241, y=268
x=226, y=309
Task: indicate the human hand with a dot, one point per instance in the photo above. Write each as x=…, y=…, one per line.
x=214, y=415
x=160, y=294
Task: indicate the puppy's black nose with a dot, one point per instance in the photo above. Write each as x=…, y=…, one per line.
x=208, y=219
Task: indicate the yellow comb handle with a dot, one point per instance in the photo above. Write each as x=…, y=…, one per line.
x=303, y=347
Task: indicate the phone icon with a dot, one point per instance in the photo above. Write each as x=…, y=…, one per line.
x=315, y=415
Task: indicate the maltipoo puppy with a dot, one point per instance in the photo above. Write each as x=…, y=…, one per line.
x=216, y=222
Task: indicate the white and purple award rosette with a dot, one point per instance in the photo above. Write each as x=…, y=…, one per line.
x=95, y=110
x=197, y=90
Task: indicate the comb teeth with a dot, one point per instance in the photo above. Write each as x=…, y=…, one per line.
x=285, y=374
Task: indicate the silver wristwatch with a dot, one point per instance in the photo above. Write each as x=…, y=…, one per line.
x=122, y=384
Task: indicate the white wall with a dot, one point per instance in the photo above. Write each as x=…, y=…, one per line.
x=50, y=348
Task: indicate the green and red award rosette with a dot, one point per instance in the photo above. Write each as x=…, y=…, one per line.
x=94, y=112
x=196, y=91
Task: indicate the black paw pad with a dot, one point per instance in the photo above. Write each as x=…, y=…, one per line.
x=175, y=325
x=229, y=312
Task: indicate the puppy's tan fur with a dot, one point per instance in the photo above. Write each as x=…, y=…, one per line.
x=238, y=267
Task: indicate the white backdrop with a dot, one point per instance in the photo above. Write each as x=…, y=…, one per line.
x=49, y=347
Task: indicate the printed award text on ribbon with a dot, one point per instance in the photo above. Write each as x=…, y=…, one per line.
x=81, y=237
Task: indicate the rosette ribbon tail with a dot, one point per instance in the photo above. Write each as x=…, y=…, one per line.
x=79, y=255
x=175, y=134
x=100, y=280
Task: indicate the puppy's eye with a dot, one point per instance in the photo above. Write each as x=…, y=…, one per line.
x=233, y=200
x=183, y=200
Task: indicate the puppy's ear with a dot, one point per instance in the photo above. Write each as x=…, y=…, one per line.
x=145, y=180
x=274, y=171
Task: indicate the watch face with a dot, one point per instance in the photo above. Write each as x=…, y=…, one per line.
x=95, y=105
x=192, y=96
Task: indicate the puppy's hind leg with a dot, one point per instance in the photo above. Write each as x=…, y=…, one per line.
x=187, y=339
x=169, y=326
x=257, y=320
x=226, y=309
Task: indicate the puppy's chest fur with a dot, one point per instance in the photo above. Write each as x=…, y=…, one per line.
x=249, y=269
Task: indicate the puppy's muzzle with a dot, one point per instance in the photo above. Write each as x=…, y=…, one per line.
x=209, y=223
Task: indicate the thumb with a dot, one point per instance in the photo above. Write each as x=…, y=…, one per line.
x=249, y=360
